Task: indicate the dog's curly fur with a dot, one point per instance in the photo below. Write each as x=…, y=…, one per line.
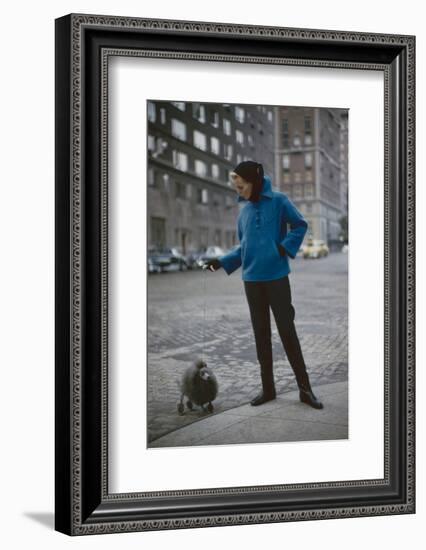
x=199, y=384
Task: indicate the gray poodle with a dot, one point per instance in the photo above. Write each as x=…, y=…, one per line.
x=199, y=385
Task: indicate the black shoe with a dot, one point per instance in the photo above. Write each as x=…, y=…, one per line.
x=262, y=398
x=307, y=396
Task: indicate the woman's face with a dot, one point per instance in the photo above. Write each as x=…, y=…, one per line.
x=242, y=187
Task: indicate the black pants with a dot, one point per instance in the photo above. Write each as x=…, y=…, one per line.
x=262, y=295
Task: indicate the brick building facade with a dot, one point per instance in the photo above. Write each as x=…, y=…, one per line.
x=311, y=156
x=192, y=147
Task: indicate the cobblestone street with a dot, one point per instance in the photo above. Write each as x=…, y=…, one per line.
x=198, y=314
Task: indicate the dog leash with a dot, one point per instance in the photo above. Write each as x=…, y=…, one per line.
x=204, y=312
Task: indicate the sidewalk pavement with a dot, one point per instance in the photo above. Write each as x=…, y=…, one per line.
x=284, y=419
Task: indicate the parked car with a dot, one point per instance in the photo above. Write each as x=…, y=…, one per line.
x=166, y=259
x=211, y=253
x=192, y=257
x=153, y=266
x=315, y=249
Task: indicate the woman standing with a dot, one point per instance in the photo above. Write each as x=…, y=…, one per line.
x=265, y=244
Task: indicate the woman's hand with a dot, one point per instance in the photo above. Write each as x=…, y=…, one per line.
x=281, y=250
x=212, y=265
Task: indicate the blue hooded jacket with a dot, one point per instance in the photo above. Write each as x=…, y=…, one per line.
x=263, y=226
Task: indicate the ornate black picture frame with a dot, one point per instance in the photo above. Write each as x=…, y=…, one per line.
x=84, y=44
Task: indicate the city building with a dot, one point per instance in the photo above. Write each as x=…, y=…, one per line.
x=311, y=156
x=344, y=158
x=192, y=148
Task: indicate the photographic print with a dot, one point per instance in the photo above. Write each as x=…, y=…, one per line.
x=247, y=292
x=202, y=274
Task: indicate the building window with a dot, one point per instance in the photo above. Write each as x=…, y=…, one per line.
x=227, y=126
x=239, y=137
x=296, y=141
x=151, y=177
x=218, y=237
x=179, y=105
x=177, y=235
x=239, y=114
x=217, y=200
x=158, y=232
x=309, y=191
x=286, y=178
x=215, y=170
x=270, y=116
x=239, y=158
x=202, y=196
x=308, y=161
x=157, y=179
x=180, y=190
x=308, y=127
x=215, y=119
x=200, y=168
x=285, y=134
x=200, y=140
x=163, y=116
x=151, y=112
x=229, y=201
x=203, y=232
x=250, y=140
x=151, y=143
x=308, y=131
x=286, y=162
x=161, y=146
x=166, y=182
x=298, y=194
x=297, y=177
x=180, y=161
x=214, y=145
x=199, y=112
x=188, y=190
x=178, y=129
x=228, y=151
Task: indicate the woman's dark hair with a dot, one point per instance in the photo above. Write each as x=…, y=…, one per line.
x=252, y=172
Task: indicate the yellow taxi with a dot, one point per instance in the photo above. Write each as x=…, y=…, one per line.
x=315, y=248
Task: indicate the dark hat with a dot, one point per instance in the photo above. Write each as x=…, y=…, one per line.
x=252, y=172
